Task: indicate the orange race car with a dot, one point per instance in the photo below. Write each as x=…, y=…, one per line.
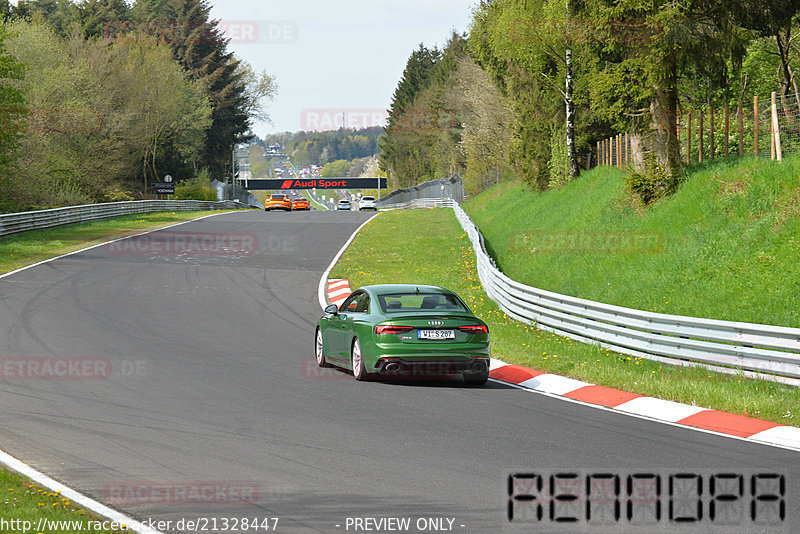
x=278, y=201
x=300, y=204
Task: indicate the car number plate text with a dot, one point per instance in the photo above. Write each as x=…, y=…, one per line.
x=436, y=334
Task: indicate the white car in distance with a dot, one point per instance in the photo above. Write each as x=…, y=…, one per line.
x=367, y=203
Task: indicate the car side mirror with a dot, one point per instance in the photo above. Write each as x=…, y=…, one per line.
x=332, y=309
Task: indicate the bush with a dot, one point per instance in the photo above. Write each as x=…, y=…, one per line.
x=189, y=191
x=117, y=194
x=653, y=183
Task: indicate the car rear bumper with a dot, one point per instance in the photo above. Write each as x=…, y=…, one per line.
x=403, y=366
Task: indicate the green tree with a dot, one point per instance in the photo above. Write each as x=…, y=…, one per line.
x=104, y=115
x=201, y=48
x=13, y=114
x=336, y=169
x=60, y=14
x=99, y=17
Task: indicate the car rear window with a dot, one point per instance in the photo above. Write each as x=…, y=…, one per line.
x=420, y=302
x=278, y=197
x=367, y=198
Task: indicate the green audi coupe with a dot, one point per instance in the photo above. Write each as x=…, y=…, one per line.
x=404, y=330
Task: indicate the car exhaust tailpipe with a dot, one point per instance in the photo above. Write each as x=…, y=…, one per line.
x=478, y=366
x=392, y=367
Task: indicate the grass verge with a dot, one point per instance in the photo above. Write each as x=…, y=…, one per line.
x=725, y=246
x=430, y=247
x=24, y=501
x=261, y=195
x=23, y=249
x=307, y=194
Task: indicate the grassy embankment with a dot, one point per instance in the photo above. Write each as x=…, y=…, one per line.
x=725, y=246
x=23, y=249
x=730, y=233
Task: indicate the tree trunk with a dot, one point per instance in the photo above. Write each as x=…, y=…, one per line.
x=783, y=39
x=666, y=148
x=572, y=156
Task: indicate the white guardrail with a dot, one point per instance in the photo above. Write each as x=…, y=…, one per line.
x=13, y=223
x=753, y=350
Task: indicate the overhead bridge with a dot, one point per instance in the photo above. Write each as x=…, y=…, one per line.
x=315, y=183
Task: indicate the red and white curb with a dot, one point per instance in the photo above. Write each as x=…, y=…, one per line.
x=695, y=417
x=724, y=423
x=338, y=291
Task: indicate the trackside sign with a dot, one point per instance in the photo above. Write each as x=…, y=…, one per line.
x=319, y=183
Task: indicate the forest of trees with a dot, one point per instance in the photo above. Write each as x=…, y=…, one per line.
x=319, y=148
x=536, y=83
x=101, y=98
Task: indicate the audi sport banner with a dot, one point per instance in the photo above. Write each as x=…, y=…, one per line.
x=319, y=183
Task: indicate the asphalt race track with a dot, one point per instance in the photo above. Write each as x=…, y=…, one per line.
x=210, y=378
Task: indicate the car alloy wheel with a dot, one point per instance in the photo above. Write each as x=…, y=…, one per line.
x=320, y=349
x=357, y=361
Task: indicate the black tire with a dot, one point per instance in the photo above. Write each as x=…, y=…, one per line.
x=319, y=349
x=357, y=361
x=475, y=378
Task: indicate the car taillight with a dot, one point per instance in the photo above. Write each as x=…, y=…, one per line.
x=474, y=329
x=391, y=329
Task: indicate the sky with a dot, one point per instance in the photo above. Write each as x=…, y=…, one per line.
x=336, y=62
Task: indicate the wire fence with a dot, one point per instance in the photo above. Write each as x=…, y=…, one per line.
x=768, y=128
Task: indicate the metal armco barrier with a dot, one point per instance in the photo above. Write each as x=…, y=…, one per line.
x=420, y=203
x=452, y=187
x=13, y=223
x=753, y=350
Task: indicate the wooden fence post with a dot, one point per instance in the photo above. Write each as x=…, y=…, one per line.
x=627, y=149
x=776, y=130
x=740, y=113
x=727, y=126
x=772, y=126
x=700, y=147
x=711, y=128
x=755, y=125
x=598, y=151
x=689, y=139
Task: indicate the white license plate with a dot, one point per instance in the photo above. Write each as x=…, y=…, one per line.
x=436, y=334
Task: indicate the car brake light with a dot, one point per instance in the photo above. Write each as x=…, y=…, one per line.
x=474, y=329
x=391, y=329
